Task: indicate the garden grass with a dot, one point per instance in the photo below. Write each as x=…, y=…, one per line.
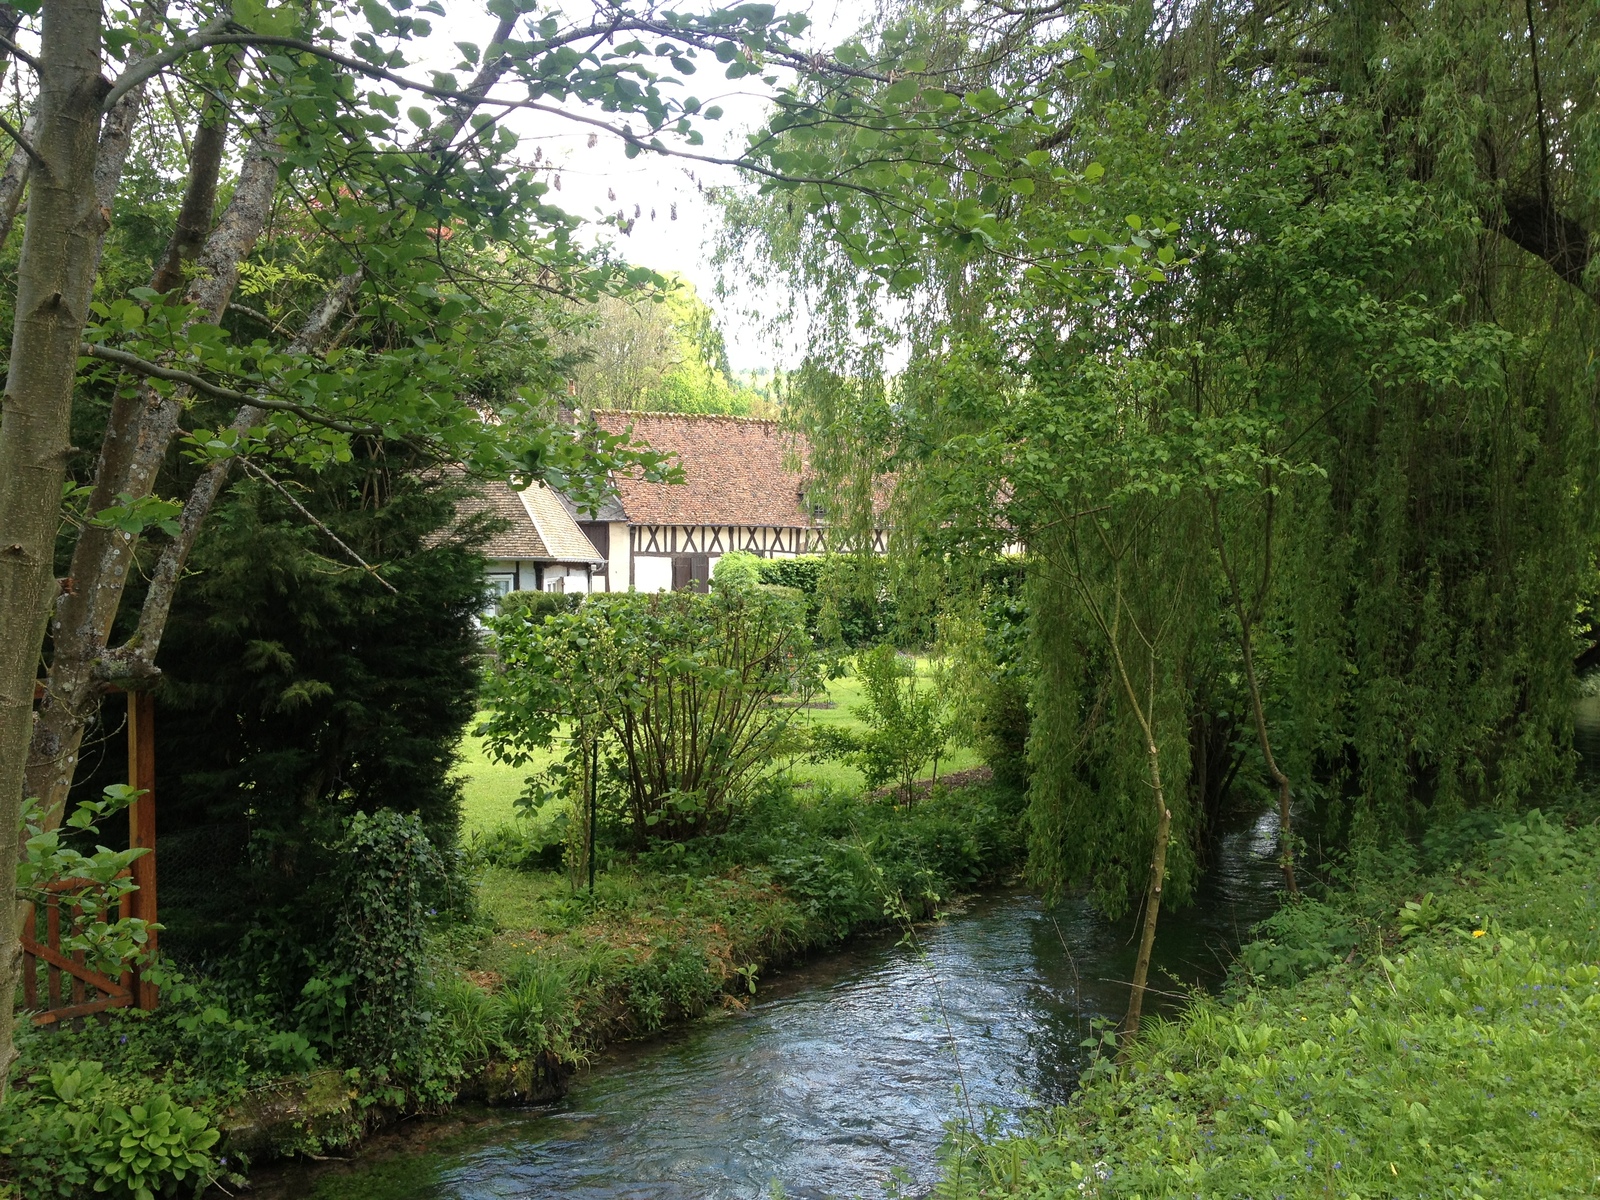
x=845, y=696
x=490, y=789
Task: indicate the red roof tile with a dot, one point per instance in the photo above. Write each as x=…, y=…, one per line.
x=739, y=471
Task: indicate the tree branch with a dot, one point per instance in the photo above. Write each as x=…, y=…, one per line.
x=19, y=53
x=1540, y=229
x=265, y=477
x=141, y=366
x=138, y=653
x=146, y=68
x=15, y=135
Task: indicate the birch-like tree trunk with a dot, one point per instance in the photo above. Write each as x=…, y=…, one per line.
x=55, y=281
x=140, y=430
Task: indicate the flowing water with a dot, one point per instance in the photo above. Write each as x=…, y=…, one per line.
x=845, y=1072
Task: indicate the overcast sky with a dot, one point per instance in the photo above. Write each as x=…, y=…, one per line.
x=655, y=184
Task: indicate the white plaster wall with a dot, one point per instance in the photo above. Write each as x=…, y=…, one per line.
x=652, y=573
x=617, y=564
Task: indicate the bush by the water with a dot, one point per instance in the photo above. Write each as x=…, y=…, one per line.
x=1455, y=1055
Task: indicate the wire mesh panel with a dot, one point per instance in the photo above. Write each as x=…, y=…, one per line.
x=204, y=888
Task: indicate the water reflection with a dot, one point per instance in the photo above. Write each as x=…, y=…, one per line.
x=847, y=1070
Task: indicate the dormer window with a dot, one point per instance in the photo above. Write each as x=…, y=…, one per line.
x=812, y=503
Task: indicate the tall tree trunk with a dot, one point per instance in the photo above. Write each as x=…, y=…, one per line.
x=14, y=180
x=137, y=435
x=15, y=175
x=55, y=280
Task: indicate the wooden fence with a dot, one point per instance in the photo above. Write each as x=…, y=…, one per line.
x=70, y=989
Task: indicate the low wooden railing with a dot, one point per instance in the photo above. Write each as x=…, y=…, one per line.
x=70, y=988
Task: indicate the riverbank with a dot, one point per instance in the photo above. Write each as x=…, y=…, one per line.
x=667, y=935
x=542, y=979
x=1430, y=1029
x=841, y=1075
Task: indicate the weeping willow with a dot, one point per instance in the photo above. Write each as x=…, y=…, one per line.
x=1366, y=377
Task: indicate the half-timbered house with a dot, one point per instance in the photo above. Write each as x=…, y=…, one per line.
x=744, y=489
x=539, y=546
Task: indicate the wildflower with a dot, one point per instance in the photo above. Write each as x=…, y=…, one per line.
x=1479, y=932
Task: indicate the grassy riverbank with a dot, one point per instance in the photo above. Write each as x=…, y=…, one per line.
x=1430, y=1030
x=514, y=998
x=669, y=934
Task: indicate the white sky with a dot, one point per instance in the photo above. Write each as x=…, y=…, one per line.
x=651, y=182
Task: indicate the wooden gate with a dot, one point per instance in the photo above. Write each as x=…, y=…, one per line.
x=71, y=989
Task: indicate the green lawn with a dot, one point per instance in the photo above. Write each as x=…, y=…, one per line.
x=845, y=695
x=492, y=788
x=489, y=797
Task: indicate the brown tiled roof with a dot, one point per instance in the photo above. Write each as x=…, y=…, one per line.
x=537, y=528
x=737, y=471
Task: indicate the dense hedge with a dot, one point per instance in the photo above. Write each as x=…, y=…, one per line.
x=839, y=611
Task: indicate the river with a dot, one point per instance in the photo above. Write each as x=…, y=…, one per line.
x=841, y=1077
